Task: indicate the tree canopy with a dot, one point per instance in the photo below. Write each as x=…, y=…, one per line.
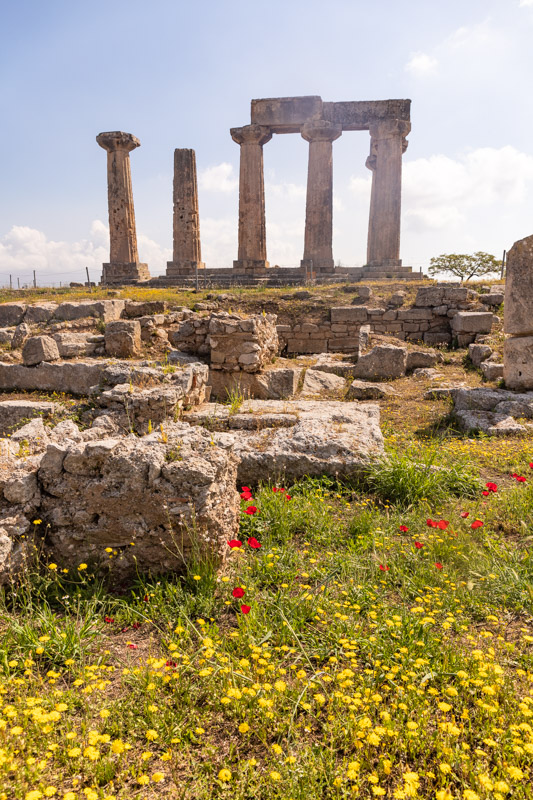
x=465, y=266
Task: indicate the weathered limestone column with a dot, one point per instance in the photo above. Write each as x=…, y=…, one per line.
x=518, y=317
x=252, y=254
x=187, y=254
x=388, y=143
x=318, y=241
x=123, y=266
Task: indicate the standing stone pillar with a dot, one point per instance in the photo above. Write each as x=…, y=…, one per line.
x=318, y=241
x=388, y=143
x=187, y=254
x=518, y=317
x=252, y=254
x=123, y=266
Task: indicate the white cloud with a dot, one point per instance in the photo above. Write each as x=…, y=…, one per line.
x=525, y=3
x=219, y=178
x=421, y=64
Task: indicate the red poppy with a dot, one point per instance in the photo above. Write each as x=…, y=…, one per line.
x=492, y=487
x=145, y=598
x=274, y=489
x=171, y=664
x=476, y=524
x=245, y=609
x=234, y=543
x=431, y=523
x=245, y=489
x=465, y=514
x=132, y=646
x=246, y=495
x=438, y=564
x=136, y=625
x=519, y=478
x=442, y=524
x=531, y=465
x=384, y=568
x=403, y=528
x=108, y=620
x=288, y=497
x=254, y=544
x=419, y=545
x=238, y=592
x=251, y=510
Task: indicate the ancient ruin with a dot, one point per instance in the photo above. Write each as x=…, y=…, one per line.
x=518, y=319
x=123, y=266
x=187, y=252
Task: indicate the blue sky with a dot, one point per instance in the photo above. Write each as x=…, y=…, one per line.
x=181, y=74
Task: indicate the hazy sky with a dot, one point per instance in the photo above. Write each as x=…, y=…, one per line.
x=181, y=74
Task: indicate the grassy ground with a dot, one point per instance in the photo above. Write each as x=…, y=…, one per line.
x=382, y=646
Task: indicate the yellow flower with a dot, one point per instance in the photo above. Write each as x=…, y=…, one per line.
x=92, y=753
x=74, y=752
x=104, y=713
x=275, y=776
x=152, y=735
x=468, y=794
x=158, y=776
x=443, y=794
x=37, y=521
x=35, y=794
x=50, y=791
x=17, y=730
x=118, y=746
x=143, y=780
x=224, y=775
x=52, y=566
x=82, y=566
x=280, y=686
x=69, y=796
x=197, y=577
x=515, y=773
x=244, y=727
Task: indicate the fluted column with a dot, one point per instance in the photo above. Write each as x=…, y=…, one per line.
x=187, y=252
x=252, y=253
x=123, y=266
x=388, y=143
x=318, y=241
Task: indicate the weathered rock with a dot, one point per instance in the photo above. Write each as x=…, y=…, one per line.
x=322, y=383
x=242, y=344
x=123, y=339
x=364, y=390
x=425, y=372
x=272, y=384
x=518, y=363
x=492, y=371
x=518, y=316
x=478, y=353
x=38, y=349
x=14, y=413
x=422, y=358
x=493, y=299
x=21, y=334
x=325, y=363
x=343, y=314
x=11, y=314
x=17, y=547
x=74, y=345
x=177, y=357
x=383, y=361
x=107, y=310
x=6, y=335
x=74, y=377
x=490, y=423
x=136, y=308
x=39, y=312
x=397, y=299
x=472, y=322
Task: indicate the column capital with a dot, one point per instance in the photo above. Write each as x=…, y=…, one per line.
x=389, y=128
x=251, y=134
x=117, y=140
x=320, y=130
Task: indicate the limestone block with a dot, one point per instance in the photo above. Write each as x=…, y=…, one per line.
x=518, y=310
x=318, y=383
x=123, y=339
x=72, y=377
x=493, y=299
x=472, y=322
x=455, y=295
x=364, y=390
x=428, y=296
x=478, y=353
x=39, y=312
x=38, y=349
x=397, y=299
x=13, y=413
x=22, y=332
x=11, y=314
x=137, y=308
x=107, y=310
x=420, y=359
x=364, y=292
x=342, y=314
x=383, y=361
x=73, y=345
x=415, y=314
x=518, y=363
x=492, y=371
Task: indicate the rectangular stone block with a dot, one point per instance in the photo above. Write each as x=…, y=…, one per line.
x=415, y=314
x=518, y=362
x=357, y=115
x=340, y=345
x=303, y=346
x=428, y=296
x=342, y=314
x=286, y=114
x=11, y=314
x=518, y=309
x=472, y=322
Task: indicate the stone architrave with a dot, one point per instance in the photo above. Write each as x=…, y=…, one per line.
x=318, y=241
x=124, y=265
x=388, y=143
x=187, y=253
x=518, y=317
x=252, y=255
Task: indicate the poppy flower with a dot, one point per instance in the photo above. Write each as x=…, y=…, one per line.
x=403, y=528
x=384, y=568
x=245, y=609
x=531, y=465
x=419, y=545
x=288, y=497
x=251, y=510
x=136, y=625
x=253, y=543
x=476, y=524
x=491, y=487
x=234, y=543
x=275, y=489
x=238, y=592
x=465, y=514
x=245, y=489
x=442, y=524
x=519, y=478
x=145, y=598
x=109, y=620
x=246, y=495
x=132, y=646
x=438, y=564
x=431, y=523
x=171, y=664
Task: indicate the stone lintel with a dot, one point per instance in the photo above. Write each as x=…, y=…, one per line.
x=286, y=114
x=118, y=272
x=117, y=140
x=358, y=115
x=249, y=265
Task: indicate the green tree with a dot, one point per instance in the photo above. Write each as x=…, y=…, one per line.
x=464, y=266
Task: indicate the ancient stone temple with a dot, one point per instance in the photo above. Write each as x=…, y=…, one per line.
x=124, y=266
x=187, y=253
x=320, y=123
x=518, y=317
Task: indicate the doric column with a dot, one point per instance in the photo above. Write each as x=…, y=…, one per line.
x=318, y=250
x=123, y=266
x=252, y=227
x=187, y=254
x=387, y=145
